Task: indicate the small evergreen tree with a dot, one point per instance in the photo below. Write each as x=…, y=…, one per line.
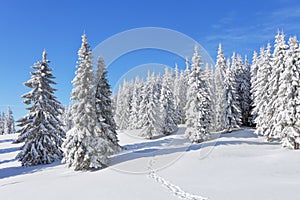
x=9, y=124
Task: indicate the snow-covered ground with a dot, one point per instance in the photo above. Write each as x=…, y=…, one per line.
x=235, y=166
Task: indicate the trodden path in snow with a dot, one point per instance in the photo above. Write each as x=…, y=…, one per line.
x=174, y=189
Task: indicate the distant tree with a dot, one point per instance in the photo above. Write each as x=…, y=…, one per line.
x=9, y=123
x=198, y=107
x=180, y=87
x=232, y=107
x=41, y=130
x=149, y=109
x=134, y=117
x=87, y=145
x=220, y=95
x=2, y=123
x=168, y=112
x=124, y=105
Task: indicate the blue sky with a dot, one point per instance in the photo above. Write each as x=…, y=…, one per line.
x=28, y=27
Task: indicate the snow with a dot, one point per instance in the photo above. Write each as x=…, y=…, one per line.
x=237, y=165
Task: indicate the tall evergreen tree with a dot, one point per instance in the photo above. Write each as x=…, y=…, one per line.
x=220, y=100
x=287, y=122
x=87, y=145
x=198, y=103
x=261, y=89
x=279, y=65
x=41, y=130
x=104, y=104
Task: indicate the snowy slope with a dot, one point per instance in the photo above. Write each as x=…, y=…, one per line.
x=238, y=166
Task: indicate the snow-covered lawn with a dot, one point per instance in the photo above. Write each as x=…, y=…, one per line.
x=235, y=166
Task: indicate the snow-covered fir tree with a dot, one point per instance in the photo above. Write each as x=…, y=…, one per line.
x=278, y=65
x=9, y=123
x=124, y=105
x=134, y=117
x=41, y=130
x=232, y=107
x=245, y=91
x=149, y=109
x=2, y=123
x=104, y=105
x=253, y=80
x=287, y=120
x=66, y=119
x=198, y=107
x=168, y=111
x=220, y=95
x=180, y=87
x=260, y=89
x=87, y=146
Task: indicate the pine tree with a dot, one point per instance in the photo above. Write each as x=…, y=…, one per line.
x=287, y=122
x=279, y=65
x=104, y=104
x=198, y=103
x=168, y=112
x=87, y=146
x=9, y=123
x=41, y=130
x=220, y=100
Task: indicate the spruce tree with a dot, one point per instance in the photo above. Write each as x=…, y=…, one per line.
x=287, y=122
x=104, y=104
x=232, y=107
x=278, y=64
x=220, y=100
x=134, y=117
x=149, y=109
x=41, y=130
x=168, y=112
x=198, y=107
x=9, y=124
x=87, y=146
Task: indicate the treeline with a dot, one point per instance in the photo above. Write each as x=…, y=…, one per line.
x=204, y=99
x=264, y=94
